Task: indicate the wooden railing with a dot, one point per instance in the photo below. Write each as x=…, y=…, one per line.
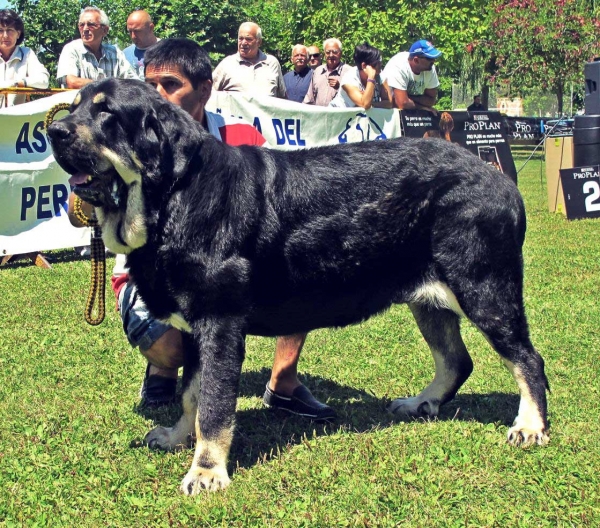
x=29, y=92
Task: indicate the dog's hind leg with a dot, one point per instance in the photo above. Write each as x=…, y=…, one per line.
x=509, y=335
x=493, y=301
x=453, y=365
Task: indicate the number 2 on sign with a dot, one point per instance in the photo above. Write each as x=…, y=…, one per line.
x=593, y=188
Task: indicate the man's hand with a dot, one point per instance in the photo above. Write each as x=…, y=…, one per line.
x=74, y=82
x=371, y=72
x=429, y=109
x=333, y=82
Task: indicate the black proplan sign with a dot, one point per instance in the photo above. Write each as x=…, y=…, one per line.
x=483, y=133
x=581, y=188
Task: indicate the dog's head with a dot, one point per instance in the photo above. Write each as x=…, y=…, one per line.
x=121, y=135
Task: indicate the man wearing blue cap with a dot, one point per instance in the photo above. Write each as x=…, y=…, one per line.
x=412, y=77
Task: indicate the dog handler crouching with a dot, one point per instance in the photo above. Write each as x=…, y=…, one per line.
x=181, y=72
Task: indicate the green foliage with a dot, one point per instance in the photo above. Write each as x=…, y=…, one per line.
x=212, y=24
x=540, y=103
x=517, y=45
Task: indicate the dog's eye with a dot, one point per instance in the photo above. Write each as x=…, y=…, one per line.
x=103, y=111
x=100, y=104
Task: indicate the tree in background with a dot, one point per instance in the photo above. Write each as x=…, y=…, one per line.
x=213, y=24
x=540, y=44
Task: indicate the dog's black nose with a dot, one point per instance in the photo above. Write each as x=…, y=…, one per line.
x=59, y=131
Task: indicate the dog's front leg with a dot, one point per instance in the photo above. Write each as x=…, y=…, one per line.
x=221, y=343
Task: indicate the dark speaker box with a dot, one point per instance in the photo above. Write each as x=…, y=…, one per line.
x=586, y=140
x=592, y=87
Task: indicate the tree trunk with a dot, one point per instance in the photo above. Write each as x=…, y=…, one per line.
x=489, y=69
x=560, y=89
x=485, y=94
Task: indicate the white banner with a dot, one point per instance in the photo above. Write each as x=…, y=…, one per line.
x=288, y=125
x=34, y=190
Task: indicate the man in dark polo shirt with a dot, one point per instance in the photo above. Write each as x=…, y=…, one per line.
x=298, y=80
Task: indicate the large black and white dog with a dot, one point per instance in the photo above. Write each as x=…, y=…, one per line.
x=224, y=242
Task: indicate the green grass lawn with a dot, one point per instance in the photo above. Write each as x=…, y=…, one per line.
x=70, y=429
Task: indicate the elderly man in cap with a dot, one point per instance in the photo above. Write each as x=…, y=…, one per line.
x=412, y=77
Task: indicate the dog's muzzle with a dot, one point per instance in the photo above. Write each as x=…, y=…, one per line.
x=93, y=179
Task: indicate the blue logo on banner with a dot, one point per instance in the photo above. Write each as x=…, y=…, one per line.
x=361, y=128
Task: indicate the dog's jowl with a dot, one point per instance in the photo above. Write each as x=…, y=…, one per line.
x=232, y=241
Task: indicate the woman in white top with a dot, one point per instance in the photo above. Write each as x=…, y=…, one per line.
x=362, y=85
x=19, y=65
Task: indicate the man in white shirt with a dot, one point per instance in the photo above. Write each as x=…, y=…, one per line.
x=250, y=70
x=412, y=77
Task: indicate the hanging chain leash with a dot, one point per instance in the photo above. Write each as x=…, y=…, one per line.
x=95, y=306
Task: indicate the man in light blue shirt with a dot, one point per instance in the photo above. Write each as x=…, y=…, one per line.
x=141, y=30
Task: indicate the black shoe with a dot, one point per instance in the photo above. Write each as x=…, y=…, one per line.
x=157, y=390
x=301, y=402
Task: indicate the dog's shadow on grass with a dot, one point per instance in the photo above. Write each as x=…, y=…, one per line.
x=261, y=433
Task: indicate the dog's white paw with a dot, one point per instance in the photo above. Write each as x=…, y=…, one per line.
x=164, y=438
x=199, y=479
x=520, y=436
x=415, y=406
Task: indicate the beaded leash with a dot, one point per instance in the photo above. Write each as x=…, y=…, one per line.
x=96, y=295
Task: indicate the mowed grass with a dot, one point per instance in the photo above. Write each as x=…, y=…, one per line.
x=70, y=433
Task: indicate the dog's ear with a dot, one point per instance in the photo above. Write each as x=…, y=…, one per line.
x=147, y=143
x=166, y=141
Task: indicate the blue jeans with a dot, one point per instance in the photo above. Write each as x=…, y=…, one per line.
x=141, y=329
